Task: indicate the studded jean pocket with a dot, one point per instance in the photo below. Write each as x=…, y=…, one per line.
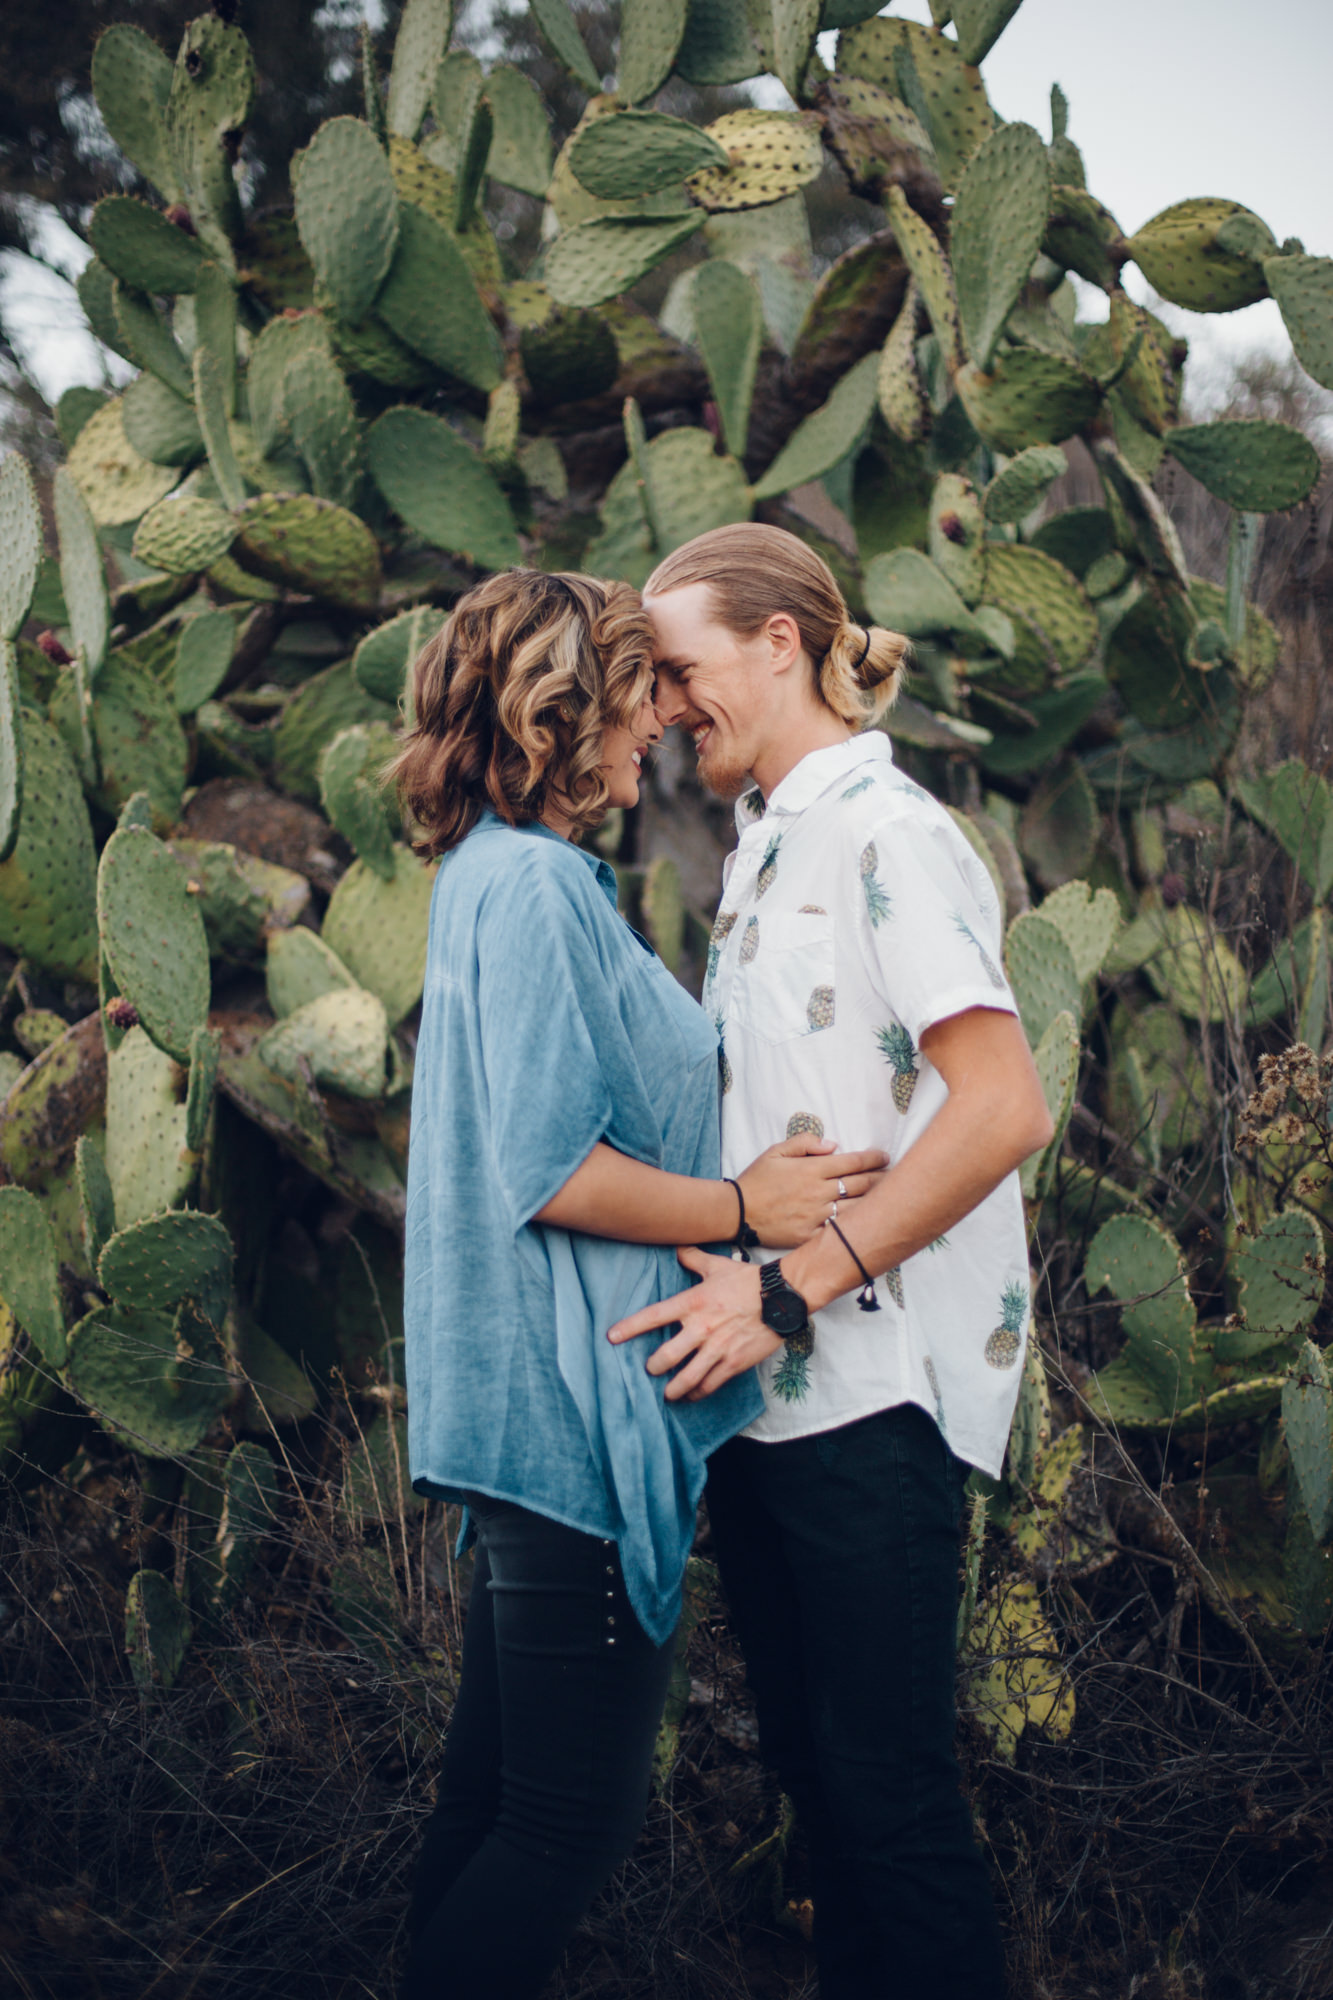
x=784, y=982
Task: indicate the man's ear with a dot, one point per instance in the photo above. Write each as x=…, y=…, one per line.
x=784, y=638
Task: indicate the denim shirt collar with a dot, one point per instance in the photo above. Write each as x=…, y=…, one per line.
x=605, y=874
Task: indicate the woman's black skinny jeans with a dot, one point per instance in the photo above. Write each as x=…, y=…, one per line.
x=546, y=1765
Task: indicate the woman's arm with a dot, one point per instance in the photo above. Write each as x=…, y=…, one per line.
x=788, y=1192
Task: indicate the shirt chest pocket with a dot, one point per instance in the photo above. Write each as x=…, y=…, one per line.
x=784, y=977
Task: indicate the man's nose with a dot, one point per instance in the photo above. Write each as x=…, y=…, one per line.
x=669, y=704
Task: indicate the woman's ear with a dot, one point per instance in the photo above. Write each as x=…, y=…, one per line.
x=784, y=639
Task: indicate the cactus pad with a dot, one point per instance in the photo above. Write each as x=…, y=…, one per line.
x=632, y=153
x=558, y=29
x=20, y=544
x=311, y=545
x=378, y=930
x=148, y=339
x=1182, y=255
x=1295, y=804
x=97, y=1203
x=153, y=938
x=81, y=576
x=908, y=593
x=927, y=72
x=205, y=1054
x=1088, y=921
x=184, y=534
x=728, y=330
x=599, y=259
x=157, y=1630
x=132, y=82
x=160, y=425
x=694, y=490
x=157, y=1382
x=347, y=212
x=324, y=704
x=138, y=739
x=1056, y=1057
x=1307, y=1417
x=301, y=968
x=926, y=261
x=155, y=1264
x=1028, y=398
x=430, y=301
x=827, y=434
x=203, y=655
x=354, y=795
x=382, y=660
x=520, y=155
x=1280, y=1275
x=1042, y=973
x=1303, y=288
x=979, y=24
x=999, y=219
x=1026, y=584
x=211, y=89
x=1254, y=466
x=1017, y=488
x=139, y=245
x=440, y=487
x=240, y=897
x=717, y=46
x=116, y=482
x=569, y=356
x=29, y=1281
x=342, y=1036
x=11, y=750
x=956, y=535
x=147, y=1159
x=650, y=34
x=48, y=883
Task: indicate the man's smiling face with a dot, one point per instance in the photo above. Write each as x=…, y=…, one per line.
x=712, y=681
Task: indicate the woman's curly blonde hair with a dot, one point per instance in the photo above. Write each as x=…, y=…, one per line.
x=511, y=700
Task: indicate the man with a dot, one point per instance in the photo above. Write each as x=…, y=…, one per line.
x=854, y=979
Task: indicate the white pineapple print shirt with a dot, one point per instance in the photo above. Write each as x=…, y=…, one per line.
x=854, y=916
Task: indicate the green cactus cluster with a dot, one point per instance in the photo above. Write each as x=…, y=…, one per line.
x=344, y=414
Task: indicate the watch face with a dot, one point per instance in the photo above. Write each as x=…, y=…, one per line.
x=782, y=1308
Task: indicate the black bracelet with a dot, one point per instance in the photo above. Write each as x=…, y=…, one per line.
x=745, y=1237
x=865, y=1298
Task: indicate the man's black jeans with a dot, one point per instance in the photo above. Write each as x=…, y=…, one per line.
x=839, y=1557
x=546, y=1765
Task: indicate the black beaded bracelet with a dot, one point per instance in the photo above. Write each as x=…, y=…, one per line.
x=745, y=1238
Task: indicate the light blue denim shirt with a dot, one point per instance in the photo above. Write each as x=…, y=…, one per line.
x=547, y=1024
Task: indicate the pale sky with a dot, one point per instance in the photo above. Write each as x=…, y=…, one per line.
x=1168, y=98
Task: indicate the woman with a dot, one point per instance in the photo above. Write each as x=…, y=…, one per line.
x=564, y=1137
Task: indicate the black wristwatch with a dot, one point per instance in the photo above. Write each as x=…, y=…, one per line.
x=781, y=1306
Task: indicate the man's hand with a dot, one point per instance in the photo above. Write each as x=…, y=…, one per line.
x=721, y=1332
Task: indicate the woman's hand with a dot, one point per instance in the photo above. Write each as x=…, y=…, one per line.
x=790, y=1190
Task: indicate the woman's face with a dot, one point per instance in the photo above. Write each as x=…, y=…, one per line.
x=623, y=752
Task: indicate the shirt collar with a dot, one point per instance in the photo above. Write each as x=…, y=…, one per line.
x=813, y=776
x=605, y=873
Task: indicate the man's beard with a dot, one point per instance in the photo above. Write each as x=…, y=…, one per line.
x=724, y=778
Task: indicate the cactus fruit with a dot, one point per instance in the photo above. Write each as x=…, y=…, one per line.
x=347, y=213
x=153, y=938
x=440, y=487
x=354, y=796
x=1307, y=1417
x=598, y=259
x=999, y=219
x=157, y=1630
x=633, y=153
x=378, y=930
x=154, y=1264
x=827, y=435
x=1183, y=254
x=29, y=1280
x=1251, y=464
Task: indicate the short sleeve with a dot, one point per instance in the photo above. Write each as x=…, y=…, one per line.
x=928, y=922
x=558, y=1066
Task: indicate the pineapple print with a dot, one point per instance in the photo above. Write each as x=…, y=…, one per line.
x=898, y=1048
x=791, y=1377
x=893, y=1278
x=992, y=971
x=877, y=903
x=1003, y=1345
x=819, y=1008
x=801, y=1122
x=749, y=941
x=812, y=910
x=934, y=1382
x=752, y=805
x=724, y=1070
x=723, y=925
x=855, y=791
x=769, y=869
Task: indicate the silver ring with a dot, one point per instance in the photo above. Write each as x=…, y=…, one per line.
x=833, y=1212
x=842, y=1190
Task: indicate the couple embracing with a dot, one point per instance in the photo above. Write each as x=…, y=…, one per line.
x=829, y=1145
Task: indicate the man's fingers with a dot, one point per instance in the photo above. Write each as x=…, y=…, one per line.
x=671, y=1353
x=689, y=1377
